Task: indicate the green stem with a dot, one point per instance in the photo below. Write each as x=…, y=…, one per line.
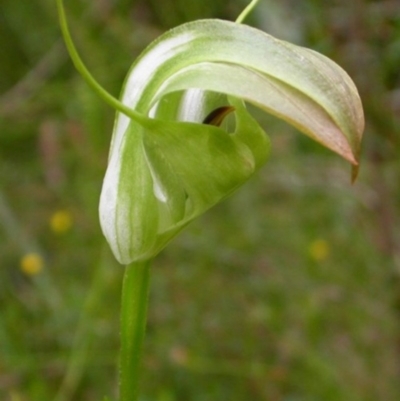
x=246, y=11
x=87, y=76
x=133, y=322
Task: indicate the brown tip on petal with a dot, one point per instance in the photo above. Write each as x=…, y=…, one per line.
x=217, y=116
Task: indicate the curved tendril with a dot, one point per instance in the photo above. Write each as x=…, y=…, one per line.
x=87, y=76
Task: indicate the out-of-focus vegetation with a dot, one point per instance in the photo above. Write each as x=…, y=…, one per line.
x=288, y=291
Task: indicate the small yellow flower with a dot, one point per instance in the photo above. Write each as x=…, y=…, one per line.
x=179, y=355
x=32, y=264
x=15, y=396
x=319, y=250
x=61, y=221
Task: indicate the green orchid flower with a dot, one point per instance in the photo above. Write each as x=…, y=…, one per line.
x=168, y=164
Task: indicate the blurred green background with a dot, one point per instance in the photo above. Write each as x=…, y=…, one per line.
x=288, y=291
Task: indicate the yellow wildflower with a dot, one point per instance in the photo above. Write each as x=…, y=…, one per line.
x=15, y=396
x=179, y=355
x=61, y=221
x=32, y=264
x=319, y=250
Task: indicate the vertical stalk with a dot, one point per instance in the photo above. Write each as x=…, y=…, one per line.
x=135, y=291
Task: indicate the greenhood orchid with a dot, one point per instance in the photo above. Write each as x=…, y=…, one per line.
x=184, y=140
x=174, y=154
